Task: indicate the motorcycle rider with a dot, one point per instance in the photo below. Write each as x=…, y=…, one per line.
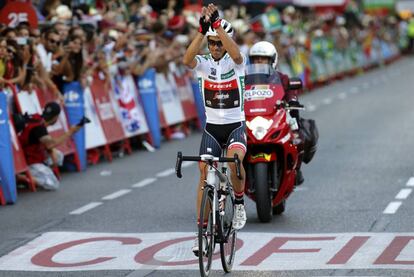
x=221, y=79
x=264, y=52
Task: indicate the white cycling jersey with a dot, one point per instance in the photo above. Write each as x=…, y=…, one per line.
x=222, y=86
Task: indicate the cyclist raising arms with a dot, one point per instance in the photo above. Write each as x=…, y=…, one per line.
x=221, y=79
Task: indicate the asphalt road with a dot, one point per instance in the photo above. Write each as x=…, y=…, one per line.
x=352, y=216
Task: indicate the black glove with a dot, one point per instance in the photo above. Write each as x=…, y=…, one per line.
x=215, y=20
x=83, y=121
x=204, y=25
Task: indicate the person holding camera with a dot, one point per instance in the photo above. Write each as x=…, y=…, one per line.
x=40, y=148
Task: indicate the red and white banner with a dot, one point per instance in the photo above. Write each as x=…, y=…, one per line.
x=72, y=251
x=185, y=93
x=105, y=106
x=169, y=100
x=130, y=109
x=20, y=164
x=95, y=135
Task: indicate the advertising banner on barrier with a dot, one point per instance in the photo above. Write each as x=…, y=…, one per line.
x=105, y=106
x=7, y=174
x=95, y=136
x=199, y=102
x=170, y=102
x=33, y=102
x=148, y=93
x=20, y=164
x=132, y=115
x=74, y=105
x=185, y=93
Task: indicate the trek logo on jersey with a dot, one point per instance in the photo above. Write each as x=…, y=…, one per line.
x=221, y=86
x=223, y=95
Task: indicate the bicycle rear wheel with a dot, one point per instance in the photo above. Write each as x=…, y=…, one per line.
x=206, y=233
x=228, y=246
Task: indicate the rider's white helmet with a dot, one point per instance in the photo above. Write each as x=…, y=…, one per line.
x=264, y=49
x=226, y=26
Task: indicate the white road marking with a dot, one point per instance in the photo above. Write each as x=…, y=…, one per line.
x=86, y=208
x=105, y=173
x=310, y=108
x=144, y=182
x=81, y=251
x=187, y=164
x=392, y=207
x=410, y=182
x=327, y=101
x=366, y=85
x=342, y=96
x=166, y=173
x=403, y=194
x=354, y=90
x=116, y=194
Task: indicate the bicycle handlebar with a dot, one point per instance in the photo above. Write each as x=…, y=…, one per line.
x=207, y=159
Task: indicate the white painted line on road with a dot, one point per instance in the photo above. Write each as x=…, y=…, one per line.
x=144, y=182
x=116, y=194
x=166, y=173
x=86, y=208
x=187, y=164
x=403, y=194
x=342, y=96
x=310, y=108
x=410, y=182
x=327, y=101
x=392, y=207
x=354, y=90
x=366, y=85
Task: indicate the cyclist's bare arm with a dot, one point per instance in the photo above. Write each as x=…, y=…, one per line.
x=192, y=50
x=230, y=46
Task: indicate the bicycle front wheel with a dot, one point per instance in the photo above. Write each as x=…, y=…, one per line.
x=206, y=232
x=227, y=251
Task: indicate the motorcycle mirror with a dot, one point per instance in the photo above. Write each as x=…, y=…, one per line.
x=295, y=83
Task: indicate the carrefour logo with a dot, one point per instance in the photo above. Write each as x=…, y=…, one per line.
x=72, y=96
x=258, y=94
x=146, y=83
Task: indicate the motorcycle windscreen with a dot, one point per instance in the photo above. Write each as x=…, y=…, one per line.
x=263, y=87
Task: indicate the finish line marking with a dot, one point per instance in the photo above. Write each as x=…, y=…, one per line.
x=76, y=251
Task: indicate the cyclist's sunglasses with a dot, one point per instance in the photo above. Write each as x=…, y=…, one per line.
x=217, y=43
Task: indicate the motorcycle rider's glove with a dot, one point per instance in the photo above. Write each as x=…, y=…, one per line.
x=215, y=20
x=294, y=113
x=204, y=25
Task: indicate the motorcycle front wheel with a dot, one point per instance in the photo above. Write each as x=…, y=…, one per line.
x=263, y=200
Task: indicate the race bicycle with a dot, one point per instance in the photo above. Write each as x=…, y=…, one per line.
x=216, y=212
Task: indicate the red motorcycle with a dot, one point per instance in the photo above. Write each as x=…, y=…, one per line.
x=272, y=147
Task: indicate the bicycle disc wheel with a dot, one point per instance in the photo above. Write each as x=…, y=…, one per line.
x=228, y=247
x=206, y=233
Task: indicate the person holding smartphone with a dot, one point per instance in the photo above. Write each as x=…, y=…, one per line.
x=39, y=146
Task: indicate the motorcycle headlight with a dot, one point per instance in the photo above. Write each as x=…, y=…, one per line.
x=259, y=126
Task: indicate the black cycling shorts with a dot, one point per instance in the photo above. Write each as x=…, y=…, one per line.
x=216, y=137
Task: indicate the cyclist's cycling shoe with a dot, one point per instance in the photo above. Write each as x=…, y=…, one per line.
x=239, y=219
x=195, y=247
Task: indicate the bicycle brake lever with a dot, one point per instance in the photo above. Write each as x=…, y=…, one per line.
x=178, y=165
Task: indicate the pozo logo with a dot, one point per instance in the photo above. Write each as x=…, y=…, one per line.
x=72, y=96
x=258, y=94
